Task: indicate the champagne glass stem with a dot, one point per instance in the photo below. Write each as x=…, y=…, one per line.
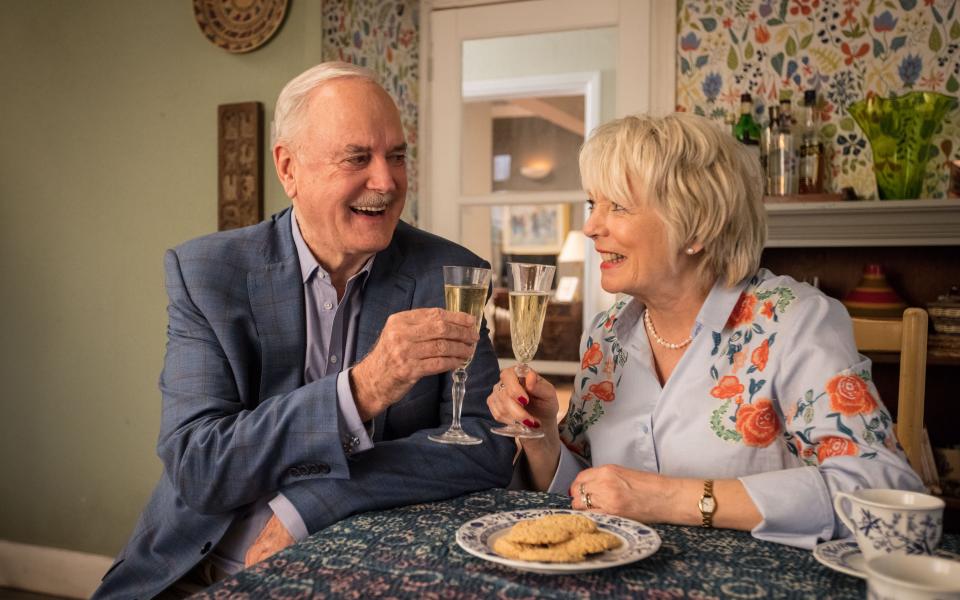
x=521, y=370
x=459, y=389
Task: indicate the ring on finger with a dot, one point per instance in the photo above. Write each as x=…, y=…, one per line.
x=585, y=498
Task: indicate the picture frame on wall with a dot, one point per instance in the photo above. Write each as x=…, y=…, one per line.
x=535, y=229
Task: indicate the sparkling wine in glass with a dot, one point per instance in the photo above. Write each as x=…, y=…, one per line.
x=464, y=290
x=530, y=286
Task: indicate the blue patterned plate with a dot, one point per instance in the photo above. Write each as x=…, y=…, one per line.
x=639, y=541
x=845, y=556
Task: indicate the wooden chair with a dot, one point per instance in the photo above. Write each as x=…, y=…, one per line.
x=909, y=338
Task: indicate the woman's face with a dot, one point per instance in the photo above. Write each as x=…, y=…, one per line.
x=636, y=257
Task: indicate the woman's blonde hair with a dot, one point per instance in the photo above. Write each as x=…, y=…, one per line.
x=702, y=182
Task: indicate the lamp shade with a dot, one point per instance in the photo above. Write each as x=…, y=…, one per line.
x=574, y=248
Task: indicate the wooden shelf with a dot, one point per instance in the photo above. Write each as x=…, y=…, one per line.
x=886, y=358
x=864, y=223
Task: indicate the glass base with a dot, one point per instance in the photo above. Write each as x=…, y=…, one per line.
x=455, y=436
x=518, y=431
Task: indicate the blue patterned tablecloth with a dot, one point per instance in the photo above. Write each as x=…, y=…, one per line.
x=411, y=552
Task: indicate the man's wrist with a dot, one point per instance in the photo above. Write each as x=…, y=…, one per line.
x=365, y=397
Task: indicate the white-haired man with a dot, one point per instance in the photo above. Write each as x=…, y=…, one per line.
x=267, y=433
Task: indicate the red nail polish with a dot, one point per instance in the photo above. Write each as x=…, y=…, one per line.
x=532, y=424
x=523, y=400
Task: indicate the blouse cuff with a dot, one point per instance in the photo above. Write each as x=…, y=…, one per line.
x=567, y=470
x=795, y=505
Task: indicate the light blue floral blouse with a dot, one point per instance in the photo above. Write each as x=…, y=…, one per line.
x=771, y=391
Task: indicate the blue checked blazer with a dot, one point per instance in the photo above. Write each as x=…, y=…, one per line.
x=238, y=423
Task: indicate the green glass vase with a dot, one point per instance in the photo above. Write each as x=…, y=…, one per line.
x=899, y=130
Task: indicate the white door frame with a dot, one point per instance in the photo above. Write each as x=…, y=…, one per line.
x=646, y=65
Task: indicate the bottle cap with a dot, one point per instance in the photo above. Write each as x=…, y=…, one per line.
x=810, y=97
x=745, y=98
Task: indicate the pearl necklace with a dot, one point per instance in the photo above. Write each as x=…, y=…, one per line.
x=660, y=340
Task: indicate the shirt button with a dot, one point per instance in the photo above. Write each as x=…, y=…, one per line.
x=327, y=305
x=333, y=359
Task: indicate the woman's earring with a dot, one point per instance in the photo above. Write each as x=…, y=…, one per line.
x=691, y=251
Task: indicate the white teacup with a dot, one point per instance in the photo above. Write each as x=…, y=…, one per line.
x=900, y=577
x=891, y=521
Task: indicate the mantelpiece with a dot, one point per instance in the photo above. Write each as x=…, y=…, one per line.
x=864, y=223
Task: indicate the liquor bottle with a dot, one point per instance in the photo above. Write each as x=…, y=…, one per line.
x=810, y=171
x=746, y=130
x=768, y=156
x=787, y=147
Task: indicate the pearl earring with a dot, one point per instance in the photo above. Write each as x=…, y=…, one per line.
x=691, y=251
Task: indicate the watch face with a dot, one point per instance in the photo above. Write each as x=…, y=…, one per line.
x=707, y=505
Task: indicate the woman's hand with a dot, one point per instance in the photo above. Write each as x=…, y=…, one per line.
x=612, y=489
x=532, y=402
x=654, y=498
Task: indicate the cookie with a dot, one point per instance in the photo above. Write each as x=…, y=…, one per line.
x=537, y=532
x=591, y=543
x=572, y=523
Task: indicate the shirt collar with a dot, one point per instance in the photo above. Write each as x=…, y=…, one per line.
x=719, y=304
x=713, y=314
x=308, y=263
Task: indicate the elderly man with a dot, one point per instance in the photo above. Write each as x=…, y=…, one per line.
x=267, y=434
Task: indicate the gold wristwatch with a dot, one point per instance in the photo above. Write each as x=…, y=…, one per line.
x=707, y=503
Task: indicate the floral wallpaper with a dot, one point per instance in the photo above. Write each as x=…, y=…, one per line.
x=845, y=49
x=384, y=36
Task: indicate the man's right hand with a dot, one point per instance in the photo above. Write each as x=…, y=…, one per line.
x=412, y=345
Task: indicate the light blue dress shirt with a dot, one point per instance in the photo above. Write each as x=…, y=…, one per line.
x=691, y=428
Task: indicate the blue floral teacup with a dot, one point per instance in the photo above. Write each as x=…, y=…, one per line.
x=891, y=521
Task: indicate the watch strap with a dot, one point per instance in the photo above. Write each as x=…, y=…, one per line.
x=707, y=515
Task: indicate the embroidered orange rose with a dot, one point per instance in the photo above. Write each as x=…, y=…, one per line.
x=850, y=395
x=743, y=310
x=758, y=423
x=767, y=309
x=836, y=446
x=738, y=359
x=592, y=356
x=760, y=355
x=608, y=324
x=728, y=387
x=603, y=390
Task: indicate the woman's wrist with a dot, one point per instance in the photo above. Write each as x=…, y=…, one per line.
x=542, y=458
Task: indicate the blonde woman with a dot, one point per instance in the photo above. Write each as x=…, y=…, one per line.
x=715, y=393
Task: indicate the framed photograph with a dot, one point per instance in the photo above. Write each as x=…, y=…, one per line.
x=535, y=229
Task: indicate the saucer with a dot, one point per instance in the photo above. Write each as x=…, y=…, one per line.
x=845, y=556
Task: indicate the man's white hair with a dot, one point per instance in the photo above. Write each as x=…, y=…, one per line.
x=288, y=115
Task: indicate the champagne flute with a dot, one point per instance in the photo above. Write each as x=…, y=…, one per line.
x=464, y=290
x=530, y=286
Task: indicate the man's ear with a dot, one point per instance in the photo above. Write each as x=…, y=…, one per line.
x=286, y=166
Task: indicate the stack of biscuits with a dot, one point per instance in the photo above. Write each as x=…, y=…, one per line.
x=561, y=538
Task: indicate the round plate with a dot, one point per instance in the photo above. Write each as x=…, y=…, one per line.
x=639, y=541
x=845, y=556
x=239, y=25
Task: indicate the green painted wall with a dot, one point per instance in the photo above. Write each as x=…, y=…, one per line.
x=108, y=156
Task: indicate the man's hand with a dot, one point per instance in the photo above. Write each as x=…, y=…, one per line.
x=412, y=345
x=271, y=540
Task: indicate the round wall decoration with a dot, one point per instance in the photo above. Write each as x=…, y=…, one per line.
x=239, y=25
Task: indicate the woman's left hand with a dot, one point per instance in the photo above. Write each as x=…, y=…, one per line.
x=616, y=490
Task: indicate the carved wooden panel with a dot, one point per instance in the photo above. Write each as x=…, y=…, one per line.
x=240, y=165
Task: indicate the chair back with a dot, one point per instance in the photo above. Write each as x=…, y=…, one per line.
x=909, y=338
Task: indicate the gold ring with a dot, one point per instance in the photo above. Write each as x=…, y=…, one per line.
x=502, y=387
x=585, y=498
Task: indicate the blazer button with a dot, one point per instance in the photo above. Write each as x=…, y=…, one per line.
x=323, y=468
x=205, y=549
x=314, y=469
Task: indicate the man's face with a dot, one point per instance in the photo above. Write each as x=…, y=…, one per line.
x=345, y=171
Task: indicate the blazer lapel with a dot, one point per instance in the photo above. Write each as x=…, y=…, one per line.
x=388, y=291
x=276, y=301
